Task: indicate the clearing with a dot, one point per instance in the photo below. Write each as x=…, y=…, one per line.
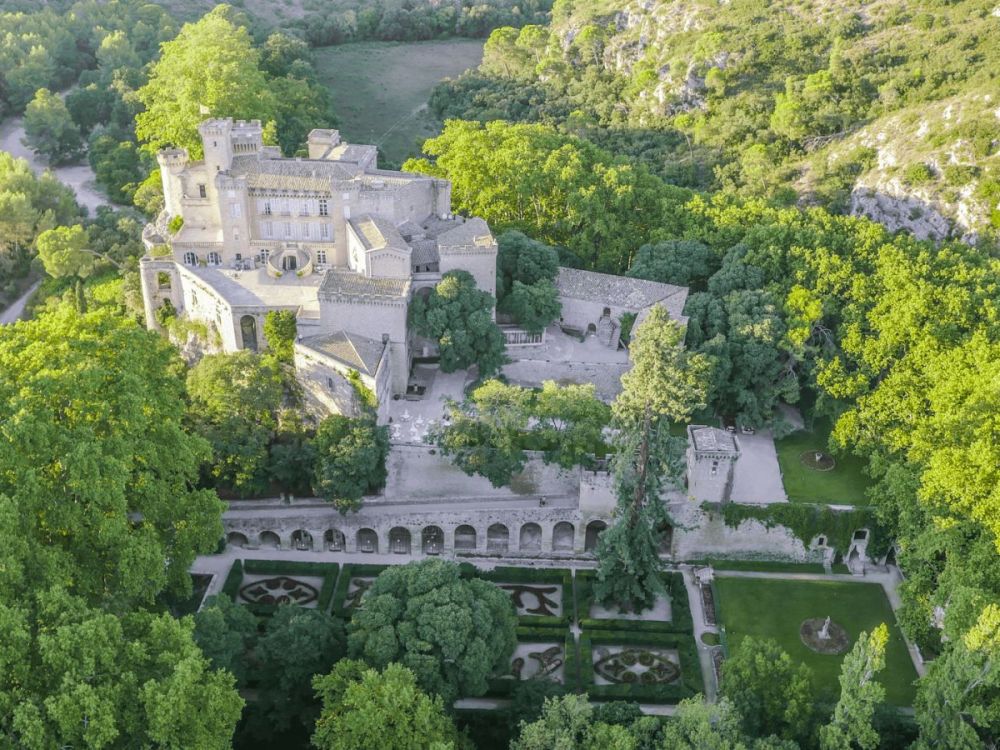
x=844, y=484
x=380, y=89
x=774, y=608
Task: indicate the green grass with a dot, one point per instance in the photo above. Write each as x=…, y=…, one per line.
x=769, y=608
x=380, y=89
x=768, y=566
x=845, y=484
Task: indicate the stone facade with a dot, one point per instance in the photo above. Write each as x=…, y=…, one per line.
x=331, y=237
x=711, y=462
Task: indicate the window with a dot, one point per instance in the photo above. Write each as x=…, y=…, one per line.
x=236, y=234
x=267, y=208
x=324, y=207
x=202, y=193
x=264, y=254
x=190, y=259
x=321, y=257
x=239, y=256
x=235, y=210
x=214, y=259
x=303, y=208
x=288, y=230
x=268, y=230
x=329, y=383
x=324, y=231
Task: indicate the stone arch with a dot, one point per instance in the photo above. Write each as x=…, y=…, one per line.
x=333, y=540
x=399, y=540
x=498, y=538
x=563, y=535
x=367, y=540
x=302, y=539
x=248, y=331
x=236, y=539
x=531, y=538
x=594, y=529
x=432, y=540
x=269, y=540
x=465, y=538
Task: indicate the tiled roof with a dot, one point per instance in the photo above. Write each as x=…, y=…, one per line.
x=424, y=252
x=620, y=291
x=713, y=439
x=377, y=232
x=342, y=283
x=359, y=352
x=469, y=232
x=290, y=174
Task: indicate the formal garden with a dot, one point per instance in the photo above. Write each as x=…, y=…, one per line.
x=794, y=613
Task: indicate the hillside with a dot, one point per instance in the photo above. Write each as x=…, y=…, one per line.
x=883, y=107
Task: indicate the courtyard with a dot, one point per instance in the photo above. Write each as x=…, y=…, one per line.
x=775, y=608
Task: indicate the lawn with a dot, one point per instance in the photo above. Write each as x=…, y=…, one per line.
x=380, y=89
x=772, y=608
x=844, y=484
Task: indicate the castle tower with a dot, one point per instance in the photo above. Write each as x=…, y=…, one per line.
x=711, y=460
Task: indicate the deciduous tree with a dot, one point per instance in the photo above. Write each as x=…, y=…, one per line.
x=350, y=459
x=860, y=695
x=50, y=130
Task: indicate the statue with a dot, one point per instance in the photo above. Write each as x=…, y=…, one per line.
x=824, y=632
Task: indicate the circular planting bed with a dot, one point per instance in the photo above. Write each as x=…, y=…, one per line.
x=824, y=636
x=817, y=460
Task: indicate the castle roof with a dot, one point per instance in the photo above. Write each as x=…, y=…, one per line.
x=359, y=352
x=342, y=283
x=376, y=233
x=473, y=231
x=620, y=291
x=290, y=174
x=713, y=440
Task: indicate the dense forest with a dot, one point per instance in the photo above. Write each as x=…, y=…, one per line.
x=722, y=147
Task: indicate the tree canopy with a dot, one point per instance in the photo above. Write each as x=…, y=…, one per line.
x=452, y=632
x=350, y=459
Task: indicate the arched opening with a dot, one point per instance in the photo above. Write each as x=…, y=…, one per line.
x=562, y=537
x=497, y=538
x=302, y=540
x=236, y=539
x=607, y=312
x=333, y=540
x=531, y=538
x=399, y=541
x=465, y=538
x=248, y=329
x=432, y=540
x=367, y=540
x=289, y=263
x=269, y=540
x=594, y=529
x=592, y=328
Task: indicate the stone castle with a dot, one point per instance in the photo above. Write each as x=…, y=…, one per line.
x=333, y=238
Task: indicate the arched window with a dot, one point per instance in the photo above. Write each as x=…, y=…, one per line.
x=248, y=328
x=214, y=259
x=190, y=259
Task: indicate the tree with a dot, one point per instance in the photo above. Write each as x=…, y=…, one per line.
x=567, y=723
x=96, y=470
x=958, y=701
x=483, y=434
x=570, y=422
x=50, y=130
x=225, y=632
x=350, y=459
x=297, y=644
x=860, y=695
x=520, y=258
x=64, y=254
x=280, y=331
x=698, y=725
x=80, y=676
x=534, y=306
x=209, y=70
x=234, y=404
x=681, y=262
x=454, y=633
x=460, y=318
x=363, y=707
x=771, y=694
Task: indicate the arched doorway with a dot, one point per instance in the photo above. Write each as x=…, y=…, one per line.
x=594, y=529
x=432, y=540
x=497, y=539
x=236, y=539
x=399, y=541
x=562, y=537
x=302, y=540
x=531, y=538
x=248, y=330
x=367, y=540
x=269, y=540
x=289, y=263
x=333, y=540
x=666, y=538
x=465, y=538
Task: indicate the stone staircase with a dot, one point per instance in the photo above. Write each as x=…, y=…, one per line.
x=609, y=331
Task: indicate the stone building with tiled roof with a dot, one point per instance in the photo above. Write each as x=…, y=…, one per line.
x=333, y=238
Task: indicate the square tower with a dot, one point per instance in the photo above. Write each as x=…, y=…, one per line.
x=711, y=461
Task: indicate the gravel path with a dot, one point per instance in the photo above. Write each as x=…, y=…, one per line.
x=13, y=313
